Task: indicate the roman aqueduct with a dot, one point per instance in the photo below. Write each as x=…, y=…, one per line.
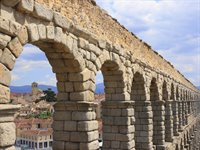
x=149, y=104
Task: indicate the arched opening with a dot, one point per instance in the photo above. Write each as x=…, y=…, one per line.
x=174, y=110
x=143, y=113
x=113, y=81
x=33, y=86
x=164, y=91
x=118, y=129
x=99, y=98
x=189, y=103
x=183, y=108
x=179, y=108
x=74, y=111
x=168, y=113
x=158, y=112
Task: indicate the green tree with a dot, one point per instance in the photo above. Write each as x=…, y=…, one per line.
x=44, y=115
x=49, y=95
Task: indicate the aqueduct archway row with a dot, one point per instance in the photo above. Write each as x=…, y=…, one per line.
x=144, y=108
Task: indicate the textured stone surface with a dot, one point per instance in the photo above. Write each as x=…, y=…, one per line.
x=23, y=35
x=33, y=32
x=93, y=19
x=5, y=75
x=62, y=21
x=43, y=12
x=10, y=3
x=4, y=94
x=8, y=59
x=4, y=39
x=15, y=47
x=26, y=5
x=7, y=134
x=138, y=112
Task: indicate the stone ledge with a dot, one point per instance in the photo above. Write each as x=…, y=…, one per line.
x=75, y=106
x=7, y=112
x=7, y=107
x=118, y=104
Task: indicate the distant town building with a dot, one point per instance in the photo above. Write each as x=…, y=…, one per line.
x=24, y=98
x=35, y=89
x=34, y=134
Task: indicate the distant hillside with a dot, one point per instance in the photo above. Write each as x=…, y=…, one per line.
x=27, y=88
x=198, y=87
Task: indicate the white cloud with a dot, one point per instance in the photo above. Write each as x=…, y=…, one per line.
x=28, y=65
x=49, y=80
x=30, y=49
x=15, y=77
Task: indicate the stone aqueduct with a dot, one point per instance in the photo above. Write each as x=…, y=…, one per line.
x=149, y=104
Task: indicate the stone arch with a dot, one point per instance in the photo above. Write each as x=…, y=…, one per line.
x=184, y=111
x=71, y=75
x=138, y=87
x=165, y=93
x=189, y=101
x=154, y=94
x=172, y=96
x=158, y=114
x=143, y=113
x=117, y=109
x=174, y=99
x=179, y=100
x=75, y=55
x=177, y=93
x=168, y=112
x=62, y=54
x=69, y=67
x=113, y=81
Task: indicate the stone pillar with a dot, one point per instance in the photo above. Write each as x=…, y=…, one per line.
x=143, y=125
x=118, y=125
x=7, y=126
x=180, y=127
x=192, y=107
x=186, y=113
x=192, y=142
x=189, y=107
x=75, y=126
x=175, y=117
x=183, y=113
x=158, y=124
x=168, y=121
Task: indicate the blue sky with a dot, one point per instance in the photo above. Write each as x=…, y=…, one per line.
x=171, y=27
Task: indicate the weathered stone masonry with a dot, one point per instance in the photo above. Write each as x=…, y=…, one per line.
x=149, y=105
